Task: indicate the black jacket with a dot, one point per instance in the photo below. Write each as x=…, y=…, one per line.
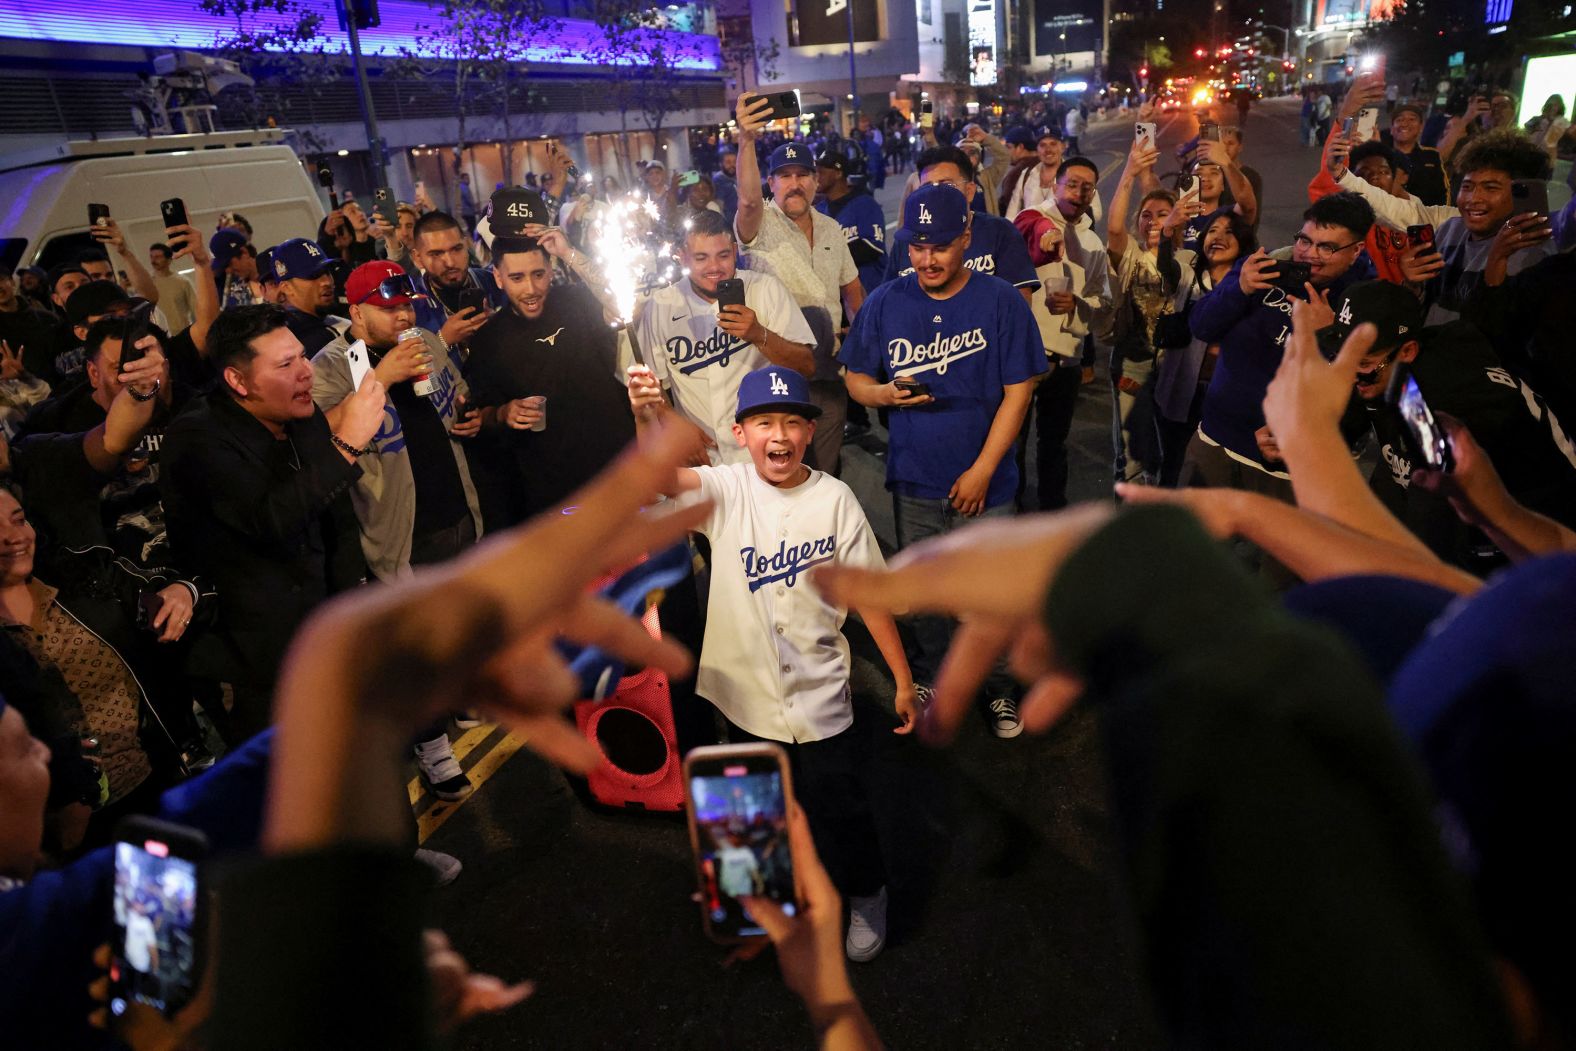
x=268, y=522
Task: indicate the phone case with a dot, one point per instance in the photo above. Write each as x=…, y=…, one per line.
x=719, y=754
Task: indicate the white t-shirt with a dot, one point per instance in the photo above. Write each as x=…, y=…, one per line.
x=736, y=869
x=701, y=364
x=774, y=659
x=140, y=940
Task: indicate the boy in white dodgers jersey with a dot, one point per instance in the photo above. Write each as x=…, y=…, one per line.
x=774, y=660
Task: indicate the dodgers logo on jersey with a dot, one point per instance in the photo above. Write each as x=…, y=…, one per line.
x=938, y=354
x=717, y=349
x=786, y=563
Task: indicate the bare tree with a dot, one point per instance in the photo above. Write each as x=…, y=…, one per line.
x=649, y=63
x=278, y=44
x=479, y=47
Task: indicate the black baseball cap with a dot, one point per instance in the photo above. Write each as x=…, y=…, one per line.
x=1393, y=310
x=94, y=299
x=516, y=207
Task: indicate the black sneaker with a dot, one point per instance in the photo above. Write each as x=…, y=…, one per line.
x=1004, y=720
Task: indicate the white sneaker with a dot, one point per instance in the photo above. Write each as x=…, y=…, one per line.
x=925, y=695
x=435, y=759
x=867, y=927
x=467, y=720
x=445, y=867
x=1004, y=720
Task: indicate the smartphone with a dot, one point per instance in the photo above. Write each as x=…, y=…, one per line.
x=1348, y=125
x=1424, y=438
x=736, y=798
x=473, y=297
x=138, y=326
x=730, y=293
x=156, y=945
x=927, y=113
x=1421, y=235
x=357, y=358
x=781, y=104
x=911, y=385
x=148, y=605
x=174, y=211
x=1209, y=132
x=1367, y=120
x=1530, y=195
x=1187, y=186
x=1144, y=132
x=98, y=214
x=384, y=206
x=1291, y=276
x=689, y=178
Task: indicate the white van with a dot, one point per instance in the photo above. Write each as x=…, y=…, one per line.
x=44, y=195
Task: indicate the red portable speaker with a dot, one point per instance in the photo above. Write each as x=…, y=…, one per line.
x=634, y=732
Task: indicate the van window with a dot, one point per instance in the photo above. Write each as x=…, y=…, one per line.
x=11, y=249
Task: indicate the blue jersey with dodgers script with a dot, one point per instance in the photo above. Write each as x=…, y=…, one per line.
x=863, y=222
x=965, y=349
x=996, y=248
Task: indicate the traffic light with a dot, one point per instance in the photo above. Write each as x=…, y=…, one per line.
x=1199, y=52
x=1144, y=72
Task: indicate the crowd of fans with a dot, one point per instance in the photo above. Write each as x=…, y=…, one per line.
x=1329, y=668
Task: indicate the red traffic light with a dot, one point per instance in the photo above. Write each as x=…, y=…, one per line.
x=1199, y=52
x=1144, y=71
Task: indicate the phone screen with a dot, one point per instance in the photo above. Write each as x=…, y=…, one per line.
x=1429, y=441
x=155, y=940
x=740, y=817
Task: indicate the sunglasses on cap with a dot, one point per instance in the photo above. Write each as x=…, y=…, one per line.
x=393, y=286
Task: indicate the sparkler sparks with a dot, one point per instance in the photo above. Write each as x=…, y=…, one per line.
x=630, y=251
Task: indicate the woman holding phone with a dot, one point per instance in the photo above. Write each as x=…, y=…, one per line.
x=1141, y=298
x=1183, y=371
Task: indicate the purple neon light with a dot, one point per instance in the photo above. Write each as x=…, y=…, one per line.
x=177, y=23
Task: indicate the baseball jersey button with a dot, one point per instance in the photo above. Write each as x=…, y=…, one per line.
x=787, y=668
x=779, y=629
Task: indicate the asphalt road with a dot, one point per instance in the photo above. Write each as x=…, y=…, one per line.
x=1007, y=924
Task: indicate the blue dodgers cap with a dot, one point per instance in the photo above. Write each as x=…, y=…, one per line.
x=225, y=246
x=935, y=214
x=790, y=155
x=299, y=257
x=1021, y=135
x=773, y=388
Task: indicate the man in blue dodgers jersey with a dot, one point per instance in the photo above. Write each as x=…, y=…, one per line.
x=856, y=211
x=973, y=344
x=774, y=660
x=414, y=498
x=994, y=247
x=699, y=353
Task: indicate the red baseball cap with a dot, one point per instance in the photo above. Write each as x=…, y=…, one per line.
x=380, y=283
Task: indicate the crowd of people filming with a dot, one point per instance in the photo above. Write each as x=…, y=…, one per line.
x=298, y=512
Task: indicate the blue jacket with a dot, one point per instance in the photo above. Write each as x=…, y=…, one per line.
x=1252, y=332
x=50, y=926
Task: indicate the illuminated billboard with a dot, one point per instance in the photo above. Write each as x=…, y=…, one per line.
x=1549, y=75
x=1337, y=12
x=812, y=23
x=982, y=42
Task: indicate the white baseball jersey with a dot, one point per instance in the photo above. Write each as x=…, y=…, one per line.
x=774, y=659
x=701, y=364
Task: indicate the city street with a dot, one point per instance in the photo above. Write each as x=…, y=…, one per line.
x=1006, y=924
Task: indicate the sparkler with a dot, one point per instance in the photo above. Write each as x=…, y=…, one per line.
x=632, y=253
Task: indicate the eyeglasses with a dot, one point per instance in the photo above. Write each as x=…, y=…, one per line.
x=1320, y=249
x=1368, y=379
x=394, y=286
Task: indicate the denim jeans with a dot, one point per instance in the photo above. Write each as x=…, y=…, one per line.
x=917, y=519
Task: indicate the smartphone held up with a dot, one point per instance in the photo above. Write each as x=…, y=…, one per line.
x=736, y=799
x=156, y=947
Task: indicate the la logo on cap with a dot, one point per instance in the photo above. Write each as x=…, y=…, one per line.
x=1345, y=317
x=924, y=214
x=312, y=249
x=779, y=386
